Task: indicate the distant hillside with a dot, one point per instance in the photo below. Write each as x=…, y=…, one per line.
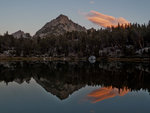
x=21, y=34
x=59, y=26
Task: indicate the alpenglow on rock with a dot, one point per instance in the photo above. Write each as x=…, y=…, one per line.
x=59, y=26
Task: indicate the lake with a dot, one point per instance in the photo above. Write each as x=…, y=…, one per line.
x=74, y=87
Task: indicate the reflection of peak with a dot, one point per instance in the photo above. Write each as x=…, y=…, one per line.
x=58, y=88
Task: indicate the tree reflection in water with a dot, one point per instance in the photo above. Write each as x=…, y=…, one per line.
x=64, y=78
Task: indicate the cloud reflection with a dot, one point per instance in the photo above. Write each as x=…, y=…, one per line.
x=106, y=93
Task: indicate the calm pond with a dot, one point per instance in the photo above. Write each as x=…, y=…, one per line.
x=74, y=87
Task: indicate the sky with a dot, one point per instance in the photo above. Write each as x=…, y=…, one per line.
x=30, y=15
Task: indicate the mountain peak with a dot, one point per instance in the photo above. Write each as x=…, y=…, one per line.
x=61, y=16
x=19, y=31
x=59, y=26
x=21, y=34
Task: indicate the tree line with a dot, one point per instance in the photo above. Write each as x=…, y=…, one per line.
x=128, y=39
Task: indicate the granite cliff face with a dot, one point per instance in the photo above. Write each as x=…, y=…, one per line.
x=59, y=26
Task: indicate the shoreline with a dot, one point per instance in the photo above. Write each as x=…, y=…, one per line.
x=69, y=59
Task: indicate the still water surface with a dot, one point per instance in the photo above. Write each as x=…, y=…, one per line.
x=75, y=87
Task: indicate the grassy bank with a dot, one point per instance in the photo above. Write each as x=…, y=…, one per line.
x=72, y=59
x=130, y=59
x=41, y=59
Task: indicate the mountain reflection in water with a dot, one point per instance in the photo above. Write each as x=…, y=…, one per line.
x=63, y=79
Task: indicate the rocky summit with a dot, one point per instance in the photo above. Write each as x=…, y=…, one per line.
x=59, y=26
x=21, y=34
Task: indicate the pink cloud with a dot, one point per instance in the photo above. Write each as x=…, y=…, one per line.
x=105, y=20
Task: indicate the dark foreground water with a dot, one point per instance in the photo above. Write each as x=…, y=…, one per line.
x=75, y=87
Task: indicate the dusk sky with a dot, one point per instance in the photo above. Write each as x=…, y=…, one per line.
x=31, y=15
